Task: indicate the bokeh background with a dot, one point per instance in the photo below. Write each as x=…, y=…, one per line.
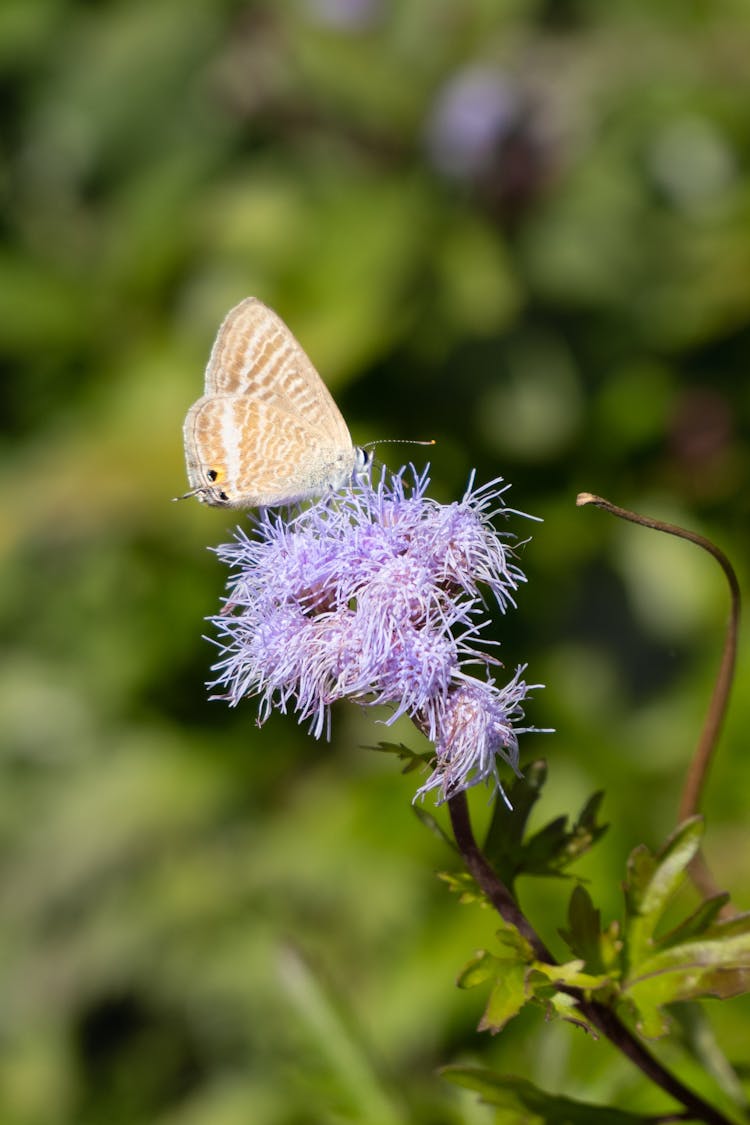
x=522, y=229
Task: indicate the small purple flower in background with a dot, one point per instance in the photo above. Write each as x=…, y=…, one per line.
x=375, y=594
x=496, y=133
x=345, y=15
x=473, y=113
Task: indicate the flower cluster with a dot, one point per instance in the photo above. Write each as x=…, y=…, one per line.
x=376, y=594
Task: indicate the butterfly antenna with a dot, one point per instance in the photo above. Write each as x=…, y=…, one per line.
x=398, y=441
x=187, y=495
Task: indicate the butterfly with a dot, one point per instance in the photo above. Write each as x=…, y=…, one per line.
x=266, y=431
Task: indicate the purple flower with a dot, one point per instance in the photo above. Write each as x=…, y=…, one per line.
x=475, y=726
x=376, y=594
x=345, y=15
x=473, y=113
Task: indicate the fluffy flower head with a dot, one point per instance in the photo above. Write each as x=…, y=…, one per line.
x=377, y=594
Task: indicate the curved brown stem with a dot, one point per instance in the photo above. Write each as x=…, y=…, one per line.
x=600, y=1016
x=697, y=773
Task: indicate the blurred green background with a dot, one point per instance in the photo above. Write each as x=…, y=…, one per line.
x=522, y=229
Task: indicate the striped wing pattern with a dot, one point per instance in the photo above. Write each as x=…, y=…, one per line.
x=266, y=431
x=256, y=354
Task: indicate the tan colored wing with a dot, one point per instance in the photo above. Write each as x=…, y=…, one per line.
x=255, y=354
x=246, y=452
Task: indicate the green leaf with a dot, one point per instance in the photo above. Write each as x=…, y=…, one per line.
x=507, y=996
x=522, y=1103
x=562, y=1005
x=541, y=850
x=703, y=956
x=411, y=758
x=587, y=815
x=600, y=950
x=517, y=979
x=508, y=993
x=695, y=959
x=729, y=927
x=504, y=839
x=571, y=975
x=555, y=847
x=550, y=850
x=697, y=923
x=464, y=886
x=650, y=1020
x=509, y=937
x=584, y=927
x=483, y=964
x=652, y=881
x=508, y=975
x=429, y=821
x=718, y=968
x=482, y=967
x=586, y=832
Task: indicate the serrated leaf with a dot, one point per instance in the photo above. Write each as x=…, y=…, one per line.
x=482, y=967
x=412, y=759
x=507, y=996
x=587, y=815
x=509, y=937
x=516, y=980
x=505, y=834
x=508, y=993
x=562, y=1005
x=584, y=928
x=508, y=976
x=652, y=881
x=464, y=886
x=732, y=952
x=655, y=878
x=483, y=963
x=599, y=949
x=585, y=832
x=703, y=956
x=541, y=849
x=550, y=850
x=718, y=968
x=553, y=849
x=571, y=975
x=522, y=1103
x=697, y=923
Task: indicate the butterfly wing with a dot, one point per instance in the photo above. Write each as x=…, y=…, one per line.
x=256, y=355
x=243, y=451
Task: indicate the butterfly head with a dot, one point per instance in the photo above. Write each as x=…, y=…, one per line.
x=212, y=489
x=362, y=461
